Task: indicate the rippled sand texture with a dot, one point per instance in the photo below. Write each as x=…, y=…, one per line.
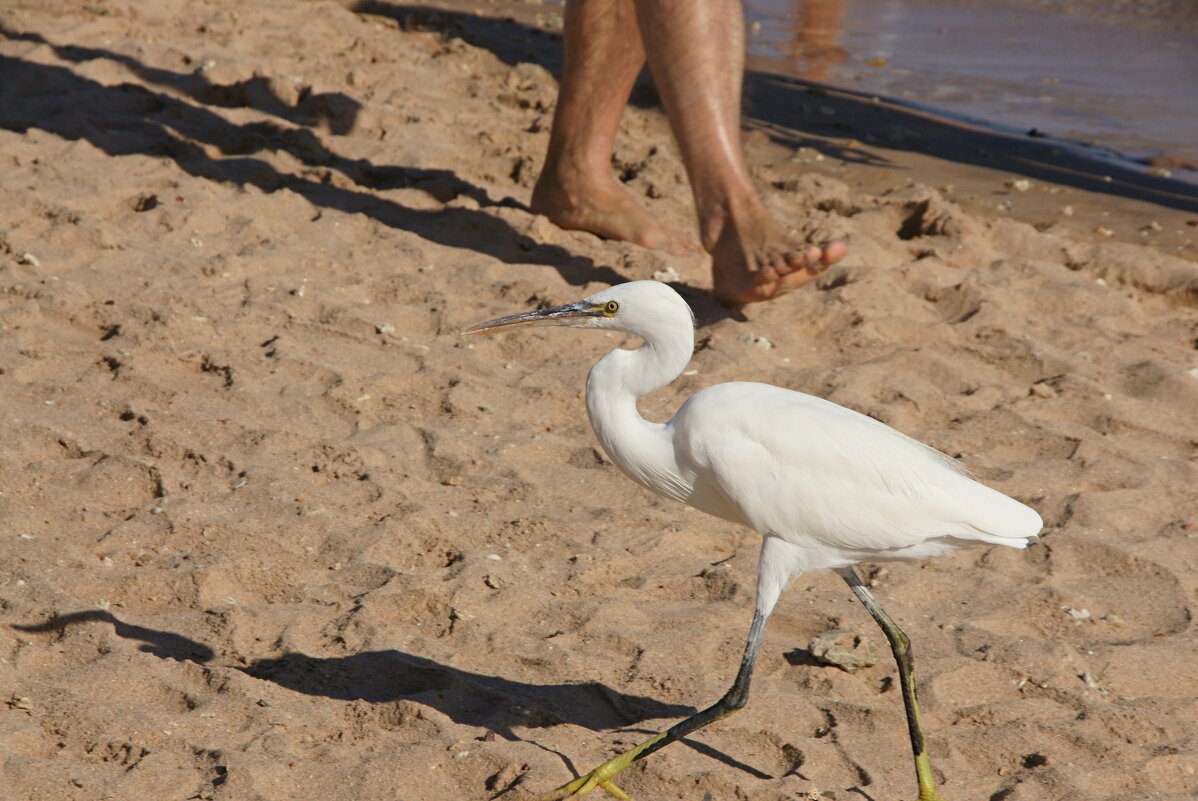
x=271, y=529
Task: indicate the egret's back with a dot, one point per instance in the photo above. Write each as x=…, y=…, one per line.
x=838, y=482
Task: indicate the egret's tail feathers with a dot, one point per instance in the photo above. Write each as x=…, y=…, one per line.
x=1001, y=520
x=992, y=517
x=1009, y=542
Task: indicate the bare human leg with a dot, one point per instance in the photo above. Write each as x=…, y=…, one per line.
x=696, y=54
x=697, y=57
x=576, y=188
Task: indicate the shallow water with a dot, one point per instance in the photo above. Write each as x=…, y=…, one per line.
x=1099, y=73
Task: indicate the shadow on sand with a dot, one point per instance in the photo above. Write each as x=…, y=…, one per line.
x=471, y=699
x=130, y=118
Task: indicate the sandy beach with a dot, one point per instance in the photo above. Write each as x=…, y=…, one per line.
x=271, y=529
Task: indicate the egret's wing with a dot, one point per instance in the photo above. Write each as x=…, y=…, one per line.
x=806, y=469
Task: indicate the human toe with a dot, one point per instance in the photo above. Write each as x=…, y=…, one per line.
x=834, y=252
x=806, y=260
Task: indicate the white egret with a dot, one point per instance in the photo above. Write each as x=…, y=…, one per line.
x=825, y=486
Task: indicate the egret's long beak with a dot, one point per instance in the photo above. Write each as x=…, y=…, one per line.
x=558, y=315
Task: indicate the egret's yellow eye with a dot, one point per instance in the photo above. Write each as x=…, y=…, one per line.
x=610, y=308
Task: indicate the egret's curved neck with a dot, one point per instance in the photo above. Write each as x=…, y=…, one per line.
x=641, y=449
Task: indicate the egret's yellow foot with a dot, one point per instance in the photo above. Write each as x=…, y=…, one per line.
x=602, y=775
x=581, y=786
x=612, y=790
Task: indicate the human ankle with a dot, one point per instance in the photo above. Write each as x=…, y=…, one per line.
x=566, y=181
x=717, y=217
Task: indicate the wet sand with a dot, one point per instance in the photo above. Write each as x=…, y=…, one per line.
x=273, y=530
x=1109, y=76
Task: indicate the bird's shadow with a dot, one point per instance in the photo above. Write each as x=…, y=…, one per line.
x=473, y=699
x=162, y=644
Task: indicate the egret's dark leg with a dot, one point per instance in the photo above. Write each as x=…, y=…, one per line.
x=734, y=699
x=901, y=646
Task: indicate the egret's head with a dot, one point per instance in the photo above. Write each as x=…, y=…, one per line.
x=644, y=308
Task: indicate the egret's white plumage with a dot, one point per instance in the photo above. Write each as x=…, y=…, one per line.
x=827, y=487
x=788, y=465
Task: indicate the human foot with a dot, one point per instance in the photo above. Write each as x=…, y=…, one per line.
x=753, y=260
x=605, y=208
